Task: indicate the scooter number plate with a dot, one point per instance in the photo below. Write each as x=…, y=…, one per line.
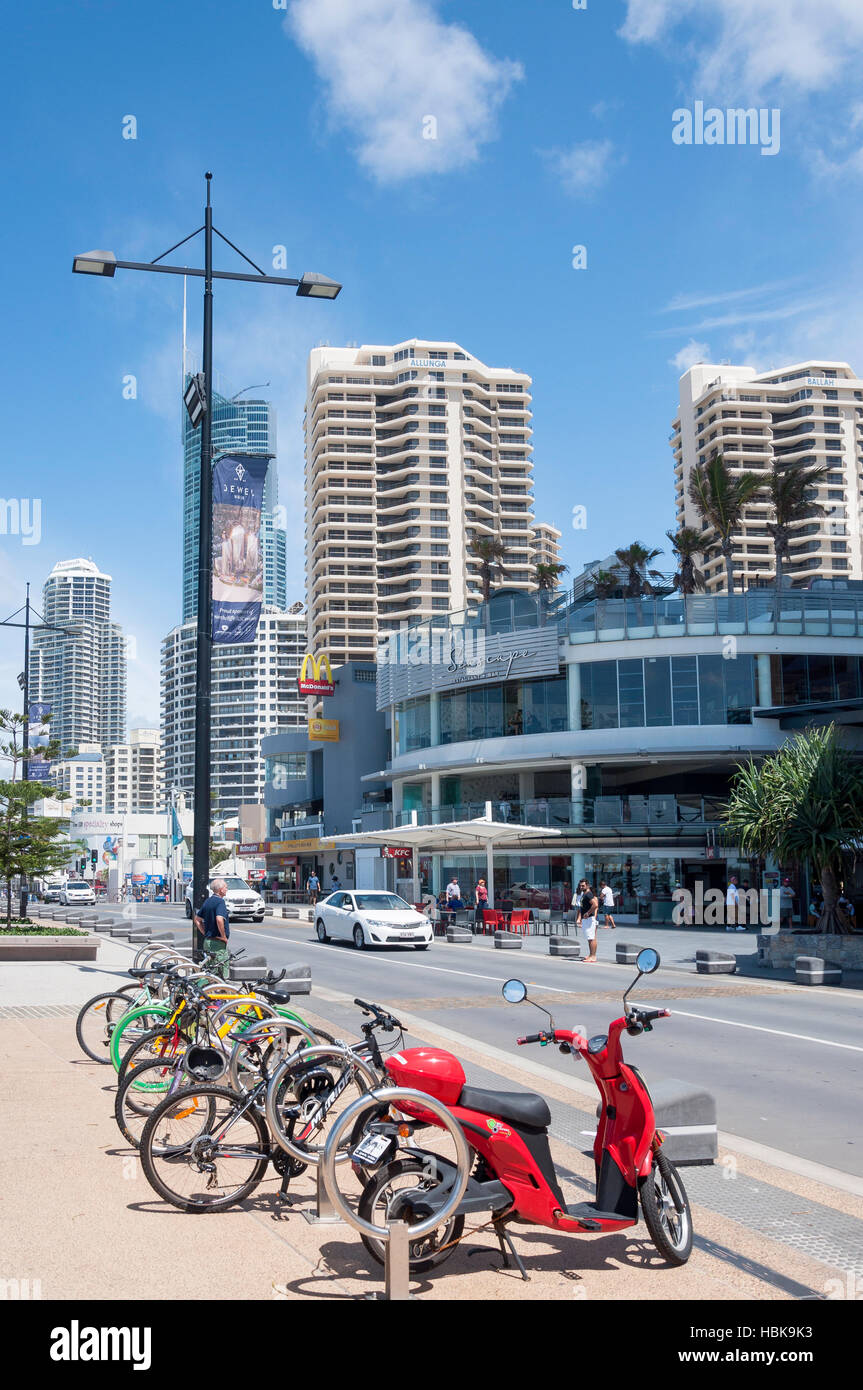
x=372, y=1149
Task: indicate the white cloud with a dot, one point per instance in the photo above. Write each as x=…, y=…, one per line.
x=701, y=300
x=689, y=355
x=388, y=65
x=746, y=47
x=584, y=168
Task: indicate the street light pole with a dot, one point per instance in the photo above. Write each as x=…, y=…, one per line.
x=310, y=286
x=204, y=635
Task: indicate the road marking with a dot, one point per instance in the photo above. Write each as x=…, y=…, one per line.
x=557, y=989
x=777, y=1032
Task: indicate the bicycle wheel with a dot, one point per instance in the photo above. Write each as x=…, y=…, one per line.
x=306, y=1094
x=164, y=1045
x=142, y=1091
x=205, y=1148
x=99, y=1017
x=132, y=1026
x=666, y=1211
x=383, y=1200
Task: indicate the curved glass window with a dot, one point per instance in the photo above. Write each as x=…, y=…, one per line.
x=659, y=691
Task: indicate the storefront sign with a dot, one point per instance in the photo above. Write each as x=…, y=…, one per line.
x=299, y=846
x=324, y=730
x=395, y=852
x=251, y=851
x=316, y=676
x=423, y=661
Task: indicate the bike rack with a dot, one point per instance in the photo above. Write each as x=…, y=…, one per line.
x=309, y=1054
x=396, y=1235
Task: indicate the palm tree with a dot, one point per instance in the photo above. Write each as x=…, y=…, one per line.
x=489, y=550
x=606, y=583
x=635, y=560
x=547, y=576
x=793, y=500
x=686, y=544
x=719, y=499
x=805, y=802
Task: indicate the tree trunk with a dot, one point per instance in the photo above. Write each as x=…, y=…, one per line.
x=729, y=565
x=833, y=921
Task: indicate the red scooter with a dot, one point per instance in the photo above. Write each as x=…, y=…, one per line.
x=514, y=1179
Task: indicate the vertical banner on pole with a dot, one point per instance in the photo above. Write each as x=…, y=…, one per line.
x=238, y=566
x=38, y=735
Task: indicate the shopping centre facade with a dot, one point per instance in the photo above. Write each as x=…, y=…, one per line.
x=617, y=724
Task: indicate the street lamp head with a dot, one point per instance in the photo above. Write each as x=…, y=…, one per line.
x=313, y=286
x=95, y=263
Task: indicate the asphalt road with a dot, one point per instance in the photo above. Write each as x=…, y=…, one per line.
x=785, y=1065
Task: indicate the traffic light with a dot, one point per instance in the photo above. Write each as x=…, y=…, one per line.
x=94, y=857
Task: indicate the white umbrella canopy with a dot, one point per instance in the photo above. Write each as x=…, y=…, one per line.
x=465, y=834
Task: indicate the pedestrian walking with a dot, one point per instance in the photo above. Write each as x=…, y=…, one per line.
x=587, y=905
x=313, y=888
x=606, y=899
x=214, y=922
x=732, y=903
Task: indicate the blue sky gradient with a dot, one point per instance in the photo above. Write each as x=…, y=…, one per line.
x=554, y=130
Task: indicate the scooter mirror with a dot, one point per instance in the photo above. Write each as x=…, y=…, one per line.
x=514, y=991
x=647, y=961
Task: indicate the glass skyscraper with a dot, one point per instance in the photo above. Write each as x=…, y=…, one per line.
x=245, y=427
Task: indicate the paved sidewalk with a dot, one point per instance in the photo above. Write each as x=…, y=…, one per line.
x=80, y=1215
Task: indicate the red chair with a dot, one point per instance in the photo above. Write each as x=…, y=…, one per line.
x=492, y=919
x=518, y=921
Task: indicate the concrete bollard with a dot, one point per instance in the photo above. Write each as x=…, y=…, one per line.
x=568, y=947
x=626, y=953
x=686, y=1115
x=507, y=941
x=813, y=970
x=715, y=963
x=458, y=935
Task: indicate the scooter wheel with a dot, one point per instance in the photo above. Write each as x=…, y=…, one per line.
x=666, y=1211
x=380, y=1199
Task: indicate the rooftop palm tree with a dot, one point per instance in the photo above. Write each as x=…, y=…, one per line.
x=686, y=543
x=793, y=498
x=805, y=802
x=547, y=575
x=606, y=583
x=719, y=499
x=547, y=578
x=489, y=550
x=635, y=560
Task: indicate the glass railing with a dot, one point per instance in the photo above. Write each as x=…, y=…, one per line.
x=758, y=612
x=559, y=812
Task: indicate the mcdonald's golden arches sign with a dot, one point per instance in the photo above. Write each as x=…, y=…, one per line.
x=320, y=681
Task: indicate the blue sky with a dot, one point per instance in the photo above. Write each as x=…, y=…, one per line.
x=553, y=130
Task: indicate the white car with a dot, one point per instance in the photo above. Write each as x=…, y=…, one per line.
x=241, y=900
x=370, y=917
x=77, y=893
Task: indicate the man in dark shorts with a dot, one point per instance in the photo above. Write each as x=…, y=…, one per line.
x=213, y=920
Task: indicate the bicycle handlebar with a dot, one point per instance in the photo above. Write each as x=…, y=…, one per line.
x=386, y=1020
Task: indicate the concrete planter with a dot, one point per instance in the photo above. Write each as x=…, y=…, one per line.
x=782, y=949
x=48, y=948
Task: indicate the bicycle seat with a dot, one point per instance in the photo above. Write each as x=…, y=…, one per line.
x=140, y=972
x=275, y=996
x=522, y=1107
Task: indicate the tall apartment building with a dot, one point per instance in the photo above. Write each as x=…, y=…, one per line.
x=412, y=451
x=80, y=779
x=80, y=674
x=134, y=774
x=245, y=427
x=795, y=416
x=545, y=546
x=254, y=692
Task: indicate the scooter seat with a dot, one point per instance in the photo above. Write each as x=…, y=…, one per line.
x=522, y=1107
